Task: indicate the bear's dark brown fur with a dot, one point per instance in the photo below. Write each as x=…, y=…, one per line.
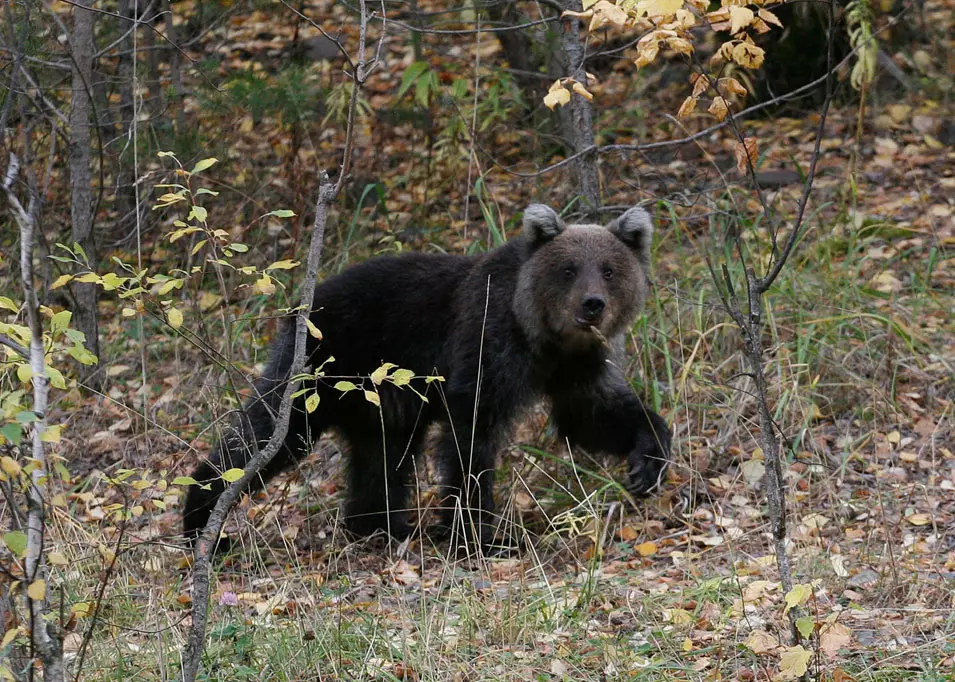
x=538, y=318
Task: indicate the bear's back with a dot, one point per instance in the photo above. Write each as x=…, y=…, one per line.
x=396, y=309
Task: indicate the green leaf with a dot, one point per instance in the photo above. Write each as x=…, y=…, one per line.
x=204, y=164
x=24, y=372
x=198, y=213
x=9, y=305
x=60, y=321
x=26, y=417
x=311, y=403
x=805, y=626
x=373, y=398
x=56, y=379
x=16, y=542
x=411, y=74
x=281, y=213
x=12, y=432
x=381, y=373
x=232, y=475
x=345, y=386
x=402, y=377
x=203, y=190
x=184, y=480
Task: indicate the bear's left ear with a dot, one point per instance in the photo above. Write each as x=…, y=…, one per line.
x=541, y=223
x=635, y=229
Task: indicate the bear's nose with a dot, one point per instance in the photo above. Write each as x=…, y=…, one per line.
x=593, y=306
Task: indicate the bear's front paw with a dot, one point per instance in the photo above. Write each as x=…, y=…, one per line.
x=649, y=459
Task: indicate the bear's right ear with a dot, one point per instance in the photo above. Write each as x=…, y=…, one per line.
x=635, y=229
x=541, y=223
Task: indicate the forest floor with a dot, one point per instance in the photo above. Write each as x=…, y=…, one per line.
x=682, y=586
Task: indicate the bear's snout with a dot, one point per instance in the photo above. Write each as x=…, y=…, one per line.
x=592, y=308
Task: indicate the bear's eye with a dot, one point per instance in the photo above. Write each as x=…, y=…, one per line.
x=608, y=272
x=569, y=272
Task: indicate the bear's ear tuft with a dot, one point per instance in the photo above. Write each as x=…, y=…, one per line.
x=635, y=229
x=541, y=223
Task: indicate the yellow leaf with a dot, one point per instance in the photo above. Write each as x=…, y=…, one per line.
x=174, y=317
x=311, y=402
x=24, y=372
x=283, y=265
x=232, y=475
x=582, y=91
x=37, y=589
x=740, y=18
x=919, y=519
x=793, y=663
x=373, y=398
x=658, y=8
x=646, y=548
x=10, y=466
x=558, y=95
x=313, y=330
x=688, y=107
x=80, y=609
x=265, y=285
x=646, y=53
x=56, y=559
x=798, y=596
x=60, y=281
x=9, y=636
x=719, y=108
x=51, y=434
x=607, y=13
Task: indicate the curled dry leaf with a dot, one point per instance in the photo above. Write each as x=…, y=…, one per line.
x=558, y=95
x=748, y=56
x=700, y=83
x=733, y=87
x=769, y=17
x=582, y=91
x=688, y=107
x=746, y=151
x=719, y=108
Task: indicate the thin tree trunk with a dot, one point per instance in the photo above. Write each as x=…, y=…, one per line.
x=125, y=197
x=175, y=67
x=81, y=182
x=577, y=125
x=44, y=634
x=157, y=100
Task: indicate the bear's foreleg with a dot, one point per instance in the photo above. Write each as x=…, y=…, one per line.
x=606, y=416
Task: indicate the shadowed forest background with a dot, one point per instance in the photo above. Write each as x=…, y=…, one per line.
x=165, y=157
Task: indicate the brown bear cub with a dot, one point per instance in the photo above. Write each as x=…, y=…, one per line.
x=539, y=318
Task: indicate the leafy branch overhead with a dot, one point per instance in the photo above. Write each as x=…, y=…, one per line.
x=668, y=29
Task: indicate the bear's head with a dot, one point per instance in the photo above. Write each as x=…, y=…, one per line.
x=582, y=285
